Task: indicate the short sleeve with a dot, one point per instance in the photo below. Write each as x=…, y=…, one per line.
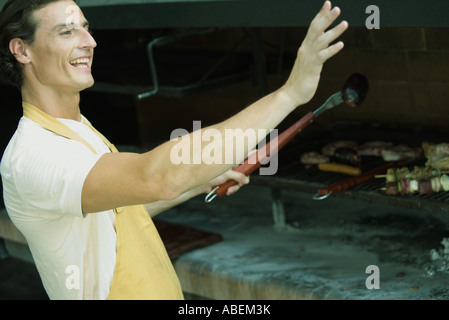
x=51, y=179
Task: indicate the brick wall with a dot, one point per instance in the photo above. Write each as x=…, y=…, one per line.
x=407, y=69
x=408, y=73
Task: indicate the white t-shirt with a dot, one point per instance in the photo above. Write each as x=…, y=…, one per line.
x=43, y=176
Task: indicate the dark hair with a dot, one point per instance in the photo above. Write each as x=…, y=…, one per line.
x=16, y=21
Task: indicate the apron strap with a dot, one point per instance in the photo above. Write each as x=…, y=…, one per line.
x=106, y=141
x=51, y=124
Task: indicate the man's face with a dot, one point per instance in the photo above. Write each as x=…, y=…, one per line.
x=62, y=53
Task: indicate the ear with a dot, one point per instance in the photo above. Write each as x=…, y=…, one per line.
x=19, y=51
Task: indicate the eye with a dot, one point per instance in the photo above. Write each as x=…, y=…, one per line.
x=66, y=33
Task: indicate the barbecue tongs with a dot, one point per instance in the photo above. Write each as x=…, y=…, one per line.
x=353, y=94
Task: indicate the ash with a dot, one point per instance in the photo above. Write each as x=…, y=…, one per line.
x=440, y=259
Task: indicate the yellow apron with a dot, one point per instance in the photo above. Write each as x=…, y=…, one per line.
x=143, y=269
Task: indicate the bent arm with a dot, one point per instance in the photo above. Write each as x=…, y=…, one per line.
x=160, y=206
x=126, y=179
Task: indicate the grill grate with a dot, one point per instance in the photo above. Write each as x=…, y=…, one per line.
x=293, y=174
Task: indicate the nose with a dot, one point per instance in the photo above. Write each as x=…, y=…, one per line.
x=87, y=41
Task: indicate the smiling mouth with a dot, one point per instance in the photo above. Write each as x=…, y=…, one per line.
x=82, y=63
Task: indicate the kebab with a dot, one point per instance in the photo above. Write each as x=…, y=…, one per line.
x=422, y=180
x=437, y=155
x=435, y=152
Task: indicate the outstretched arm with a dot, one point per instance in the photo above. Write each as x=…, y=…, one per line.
x=125, y=179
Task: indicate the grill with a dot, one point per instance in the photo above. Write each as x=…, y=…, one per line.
x=292, y=174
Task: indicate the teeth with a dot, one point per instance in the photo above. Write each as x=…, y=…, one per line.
x=78, y=61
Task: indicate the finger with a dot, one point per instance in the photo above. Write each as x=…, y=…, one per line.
x=322, y=22
x=331, y=51
x=232, y=190
x=331, y=35
x=239, y=177
x=327, y=20
x=323, y=11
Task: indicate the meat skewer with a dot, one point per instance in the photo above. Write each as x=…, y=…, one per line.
x=421, y=180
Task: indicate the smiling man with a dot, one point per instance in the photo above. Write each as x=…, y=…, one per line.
x=57, y=65
x=75, y=198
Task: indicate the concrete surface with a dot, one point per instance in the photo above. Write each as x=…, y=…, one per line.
x=322, y=252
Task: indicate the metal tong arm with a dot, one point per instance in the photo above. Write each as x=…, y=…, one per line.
x=334, y=100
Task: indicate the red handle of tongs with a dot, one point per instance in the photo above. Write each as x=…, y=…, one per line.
x=253, y=162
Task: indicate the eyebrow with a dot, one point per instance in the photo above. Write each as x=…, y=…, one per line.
x=65, y=25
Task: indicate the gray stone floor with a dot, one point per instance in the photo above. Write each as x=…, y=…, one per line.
x=320, y=252
x=324, y=249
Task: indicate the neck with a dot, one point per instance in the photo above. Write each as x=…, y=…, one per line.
x=56, y=104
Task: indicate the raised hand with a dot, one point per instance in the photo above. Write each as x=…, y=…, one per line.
x=314, y=51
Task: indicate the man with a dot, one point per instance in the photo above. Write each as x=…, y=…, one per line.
x=64, y=182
